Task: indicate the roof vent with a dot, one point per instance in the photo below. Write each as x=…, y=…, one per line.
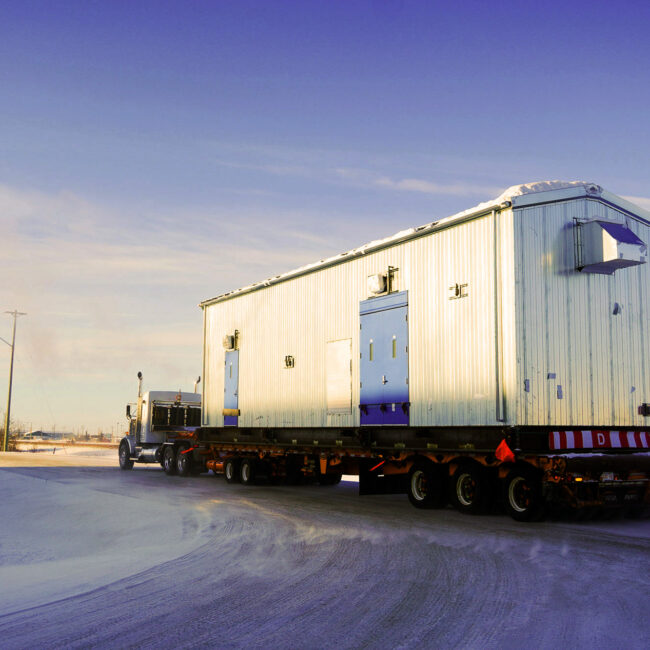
x=605, y=247
x=593, y=189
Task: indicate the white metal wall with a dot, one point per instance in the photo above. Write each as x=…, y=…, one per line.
x=545, y=326
x=452, y=353
x=570, y=336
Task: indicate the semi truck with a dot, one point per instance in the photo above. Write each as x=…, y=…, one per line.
x=500, y=356
x=160, y=417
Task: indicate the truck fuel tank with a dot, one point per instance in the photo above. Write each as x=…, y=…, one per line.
x=150, y=454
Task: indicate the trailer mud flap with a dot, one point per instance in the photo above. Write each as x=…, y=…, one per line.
x=373, y=481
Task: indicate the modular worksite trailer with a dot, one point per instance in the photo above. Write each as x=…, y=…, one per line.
x=504, y=350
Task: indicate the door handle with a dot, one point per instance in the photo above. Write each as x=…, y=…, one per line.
x=383, y=379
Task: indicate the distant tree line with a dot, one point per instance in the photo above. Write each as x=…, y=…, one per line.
x=15, y=429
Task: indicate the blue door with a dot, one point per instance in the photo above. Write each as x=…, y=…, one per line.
x=384, y=360
x=231, y=387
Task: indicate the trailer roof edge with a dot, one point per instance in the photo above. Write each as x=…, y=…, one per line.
x=372, y=247
x=515, y=197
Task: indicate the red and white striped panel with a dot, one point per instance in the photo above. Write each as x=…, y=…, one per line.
x=599, y=439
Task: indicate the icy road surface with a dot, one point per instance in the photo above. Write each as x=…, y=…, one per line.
x=91, y=556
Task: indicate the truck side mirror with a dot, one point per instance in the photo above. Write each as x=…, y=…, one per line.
x=128, y=411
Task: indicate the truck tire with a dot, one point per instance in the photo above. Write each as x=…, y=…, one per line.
x=470, y=489
x=231, y=470
x=183, y=463
x=426, y=486
x=125, y=455
x=247, y=471
x=523, y=495
x=169, y=460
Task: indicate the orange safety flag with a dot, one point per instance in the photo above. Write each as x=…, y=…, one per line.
x=504, y=453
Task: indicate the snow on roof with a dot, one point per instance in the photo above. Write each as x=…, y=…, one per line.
x=545, y=186
x=507, y=196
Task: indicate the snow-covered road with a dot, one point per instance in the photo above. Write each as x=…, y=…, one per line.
x=93, y=556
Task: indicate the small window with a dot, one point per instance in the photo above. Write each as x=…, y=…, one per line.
x=370, y=351
x=160, y=416
x=394, y=347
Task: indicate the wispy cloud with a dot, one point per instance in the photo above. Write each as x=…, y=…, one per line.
x=110, y=290
x=642, y=201
x=367, y=178
x=431, y=187
x=327, y=167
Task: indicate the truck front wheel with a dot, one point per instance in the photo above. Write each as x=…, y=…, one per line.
x=169, y=461
x=125, y=455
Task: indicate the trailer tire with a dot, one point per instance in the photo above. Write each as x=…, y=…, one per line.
x=247, y=471
x=426, y=486
x=125, y=455
x=183, y=463
x=169, y=460
x=523, y=496
x=231, y=470
x=470, y=489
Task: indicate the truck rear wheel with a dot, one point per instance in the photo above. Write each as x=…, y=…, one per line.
x=183, y=463
x=523, y=495
x=231, y=470
x=125, y=455
x=470, y=489
x=169, y=460
x=427, y=486
x=247, y=471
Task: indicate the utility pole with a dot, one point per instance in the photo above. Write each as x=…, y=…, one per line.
x=12, y=345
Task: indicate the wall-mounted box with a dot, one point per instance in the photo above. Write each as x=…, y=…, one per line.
x=607, y=246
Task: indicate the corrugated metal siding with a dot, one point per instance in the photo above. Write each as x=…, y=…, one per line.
x=452, y=361
x=553, y=327
x=567, y=328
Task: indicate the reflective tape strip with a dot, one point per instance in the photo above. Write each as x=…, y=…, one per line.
x=586, y=439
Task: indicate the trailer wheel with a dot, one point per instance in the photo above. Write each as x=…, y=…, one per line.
x=183, y=463
x=231, y=470
x=470, y=489
x=125, y=455
x=523, y=495
x=247, y=471
x=169, y=460
x=427, y=486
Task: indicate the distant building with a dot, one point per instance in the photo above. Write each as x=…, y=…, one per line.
x=45, y=435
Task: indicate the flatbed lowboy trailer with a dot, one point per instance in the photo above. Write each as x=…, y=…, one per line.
x=475, y=470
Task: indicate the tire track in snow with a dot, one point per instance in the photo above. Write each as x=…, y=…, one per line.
x=317, y=567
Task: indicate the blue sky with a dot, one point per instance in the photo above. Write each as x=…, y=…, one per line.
x=154, y=154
